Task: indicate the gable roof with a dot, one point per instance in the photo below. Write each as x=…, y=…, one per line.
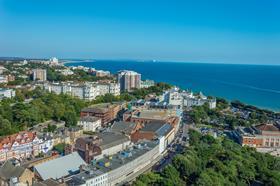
x=9, y=170
x=19, y=138
x=268, y=127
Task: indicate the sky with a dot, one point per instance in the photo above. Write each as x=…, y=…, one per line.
x=214, y=31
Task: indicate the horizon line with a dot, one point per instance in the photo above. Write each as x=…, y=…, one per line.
x=71, y=60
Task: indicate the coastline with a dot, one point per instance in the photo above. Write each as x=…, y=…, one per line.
x=68, y=61
x=211, y=84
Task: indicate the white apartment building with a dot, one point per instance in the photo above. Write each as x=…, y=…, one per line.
x=90, y=123
x=147, y=83
x=172, y=97
x=198, y=100
x=129, y=80
x=39, y=74
x=109, y=88
x=87, y=91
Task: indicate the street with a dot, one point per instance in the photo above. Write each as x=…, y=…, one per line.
x=176, y=147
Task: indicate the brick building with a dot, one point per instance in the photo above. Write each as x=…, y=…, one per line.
x=95, y=147
x=261, y=136
x=106, y=112
x=152, y=131
x=88, y=147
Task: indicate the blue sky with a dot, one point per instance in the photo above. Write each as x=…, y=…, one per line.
x=219, y=31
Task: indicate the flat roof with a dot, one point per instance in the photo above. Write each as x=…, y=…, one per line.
x=124, y=157
x=153, y=126
x=153, y=114
x=110, y=139
x=123, y=127
x=114, y=162
x=60, y=167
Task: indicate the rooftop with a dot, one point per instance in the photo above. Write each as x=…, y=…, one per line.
x=152, y=114
x=8, y=170
x=268, y=127
x=119, y=159
x=48, y=182
x=89, y=119
x=153, y=126
x=18, y=138
x=107, y=164
x=99, y=108
x=165, y=129
x=60, y=167
x=123, y=127
x=110, y=139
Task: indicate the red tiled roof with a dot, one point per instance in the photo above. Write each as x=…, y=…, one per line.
x=268, y=127
x=20, y=138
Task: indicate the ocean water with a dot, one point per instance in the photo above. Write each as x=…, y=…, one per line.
x=258, y=85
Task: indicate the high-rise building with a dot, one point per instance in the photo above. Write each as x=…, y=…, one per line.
x=39, y=74
x=129, y=80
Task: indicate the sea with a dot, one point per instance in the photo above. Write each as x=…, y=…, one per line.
x=257, y=85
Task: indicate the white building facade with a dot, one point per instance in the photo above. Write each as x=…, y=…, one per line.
x=90, y=123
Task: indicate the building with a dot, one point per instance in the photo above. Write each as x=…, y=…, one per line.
x=7, y=93
x=2, y=69
x=144, y=116
x=191, y=100
x=60, y=167
x=172, y=97
x=88, y=147
x=106, y=112
x=90, y=123
x=111, y=143
x=101, y=73
x=87, y=91
x=6, y=78
x=66, y=72
x=147, y=83
x=53, y=61
x=129, y=80
x=39, y=74
x=3, y=79
x=75, y=133
x=20, y=146
x=155, y=130
x=49, y=182
x=261, y=136
x=12, y=174
x=108, y=88
x=100, y=145
x=84, y=91
x=126, y=128
x=121, y=167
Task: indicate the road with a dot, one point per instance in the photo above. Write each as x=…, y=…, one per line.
x=176, y=147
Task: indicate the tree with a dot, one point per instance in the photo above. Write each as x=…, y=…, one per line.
x=5, y=126
x=171, y=176
x=70, y=118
